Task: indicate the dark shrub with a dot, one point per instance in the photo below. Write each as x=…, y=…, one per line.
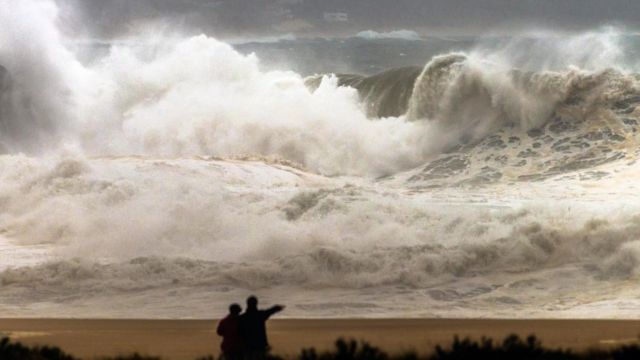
x=16, y=351
x=346, y=350
x=512, y=347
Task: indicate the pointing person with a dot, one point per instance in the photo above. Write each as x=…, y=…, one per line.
x=253, y=329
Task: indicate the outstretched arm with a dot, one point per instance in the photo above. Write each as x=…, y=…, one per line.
x=272, y=310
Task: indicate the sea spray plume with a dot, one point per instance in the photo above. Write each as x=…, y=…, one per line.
x=195, y=96
x=4, y=92
x=201, y=97
x=156, y=105
x=39, y=81
x=540, y=51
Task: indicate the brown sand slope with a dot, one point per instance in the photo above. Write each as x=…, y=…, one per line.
x=187, y=339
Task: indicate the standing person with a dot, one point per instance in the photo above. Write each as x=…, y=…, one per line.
x=253, y=329
x=229, y=329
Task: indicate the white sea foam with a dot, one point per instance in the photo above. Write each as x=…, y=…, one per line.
x=116, y=226
x=395, y=34
x=264, y=39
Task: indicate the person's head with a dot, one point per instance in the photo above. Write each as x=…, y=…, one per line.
x=234, y=309
x=252, y=303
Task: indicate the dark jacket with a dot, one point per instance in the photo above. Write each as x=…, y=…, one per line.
x=229, y=329
x=253, y=329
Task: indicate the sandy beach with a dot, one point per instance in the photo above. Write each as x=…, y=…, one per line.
x=188, y=339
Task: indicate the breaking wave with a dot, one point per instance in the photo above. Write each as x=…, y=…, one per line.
x=537, y=123
x=199, y=97
x=602, y=249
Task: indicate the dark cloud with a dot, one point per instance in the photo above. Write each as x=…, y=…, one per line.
x=227, y=18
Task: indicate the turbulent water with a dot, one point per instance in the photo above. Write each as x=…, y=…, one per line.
x=169, y=178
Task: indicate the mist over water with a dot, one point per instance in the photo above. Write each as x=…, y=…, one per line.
x=170, y=175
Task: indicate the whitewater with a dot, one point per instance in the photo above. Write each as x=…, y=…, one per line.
x=173, y=175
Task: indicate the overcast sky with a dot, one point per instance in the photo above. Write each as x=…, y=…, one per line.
x=256, y=18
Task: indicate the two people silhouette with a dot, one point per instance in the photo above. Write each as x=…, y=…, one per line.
x=244, y=336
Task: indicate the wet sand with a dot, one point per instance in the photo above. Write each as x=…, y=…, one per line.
x=188, y=339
